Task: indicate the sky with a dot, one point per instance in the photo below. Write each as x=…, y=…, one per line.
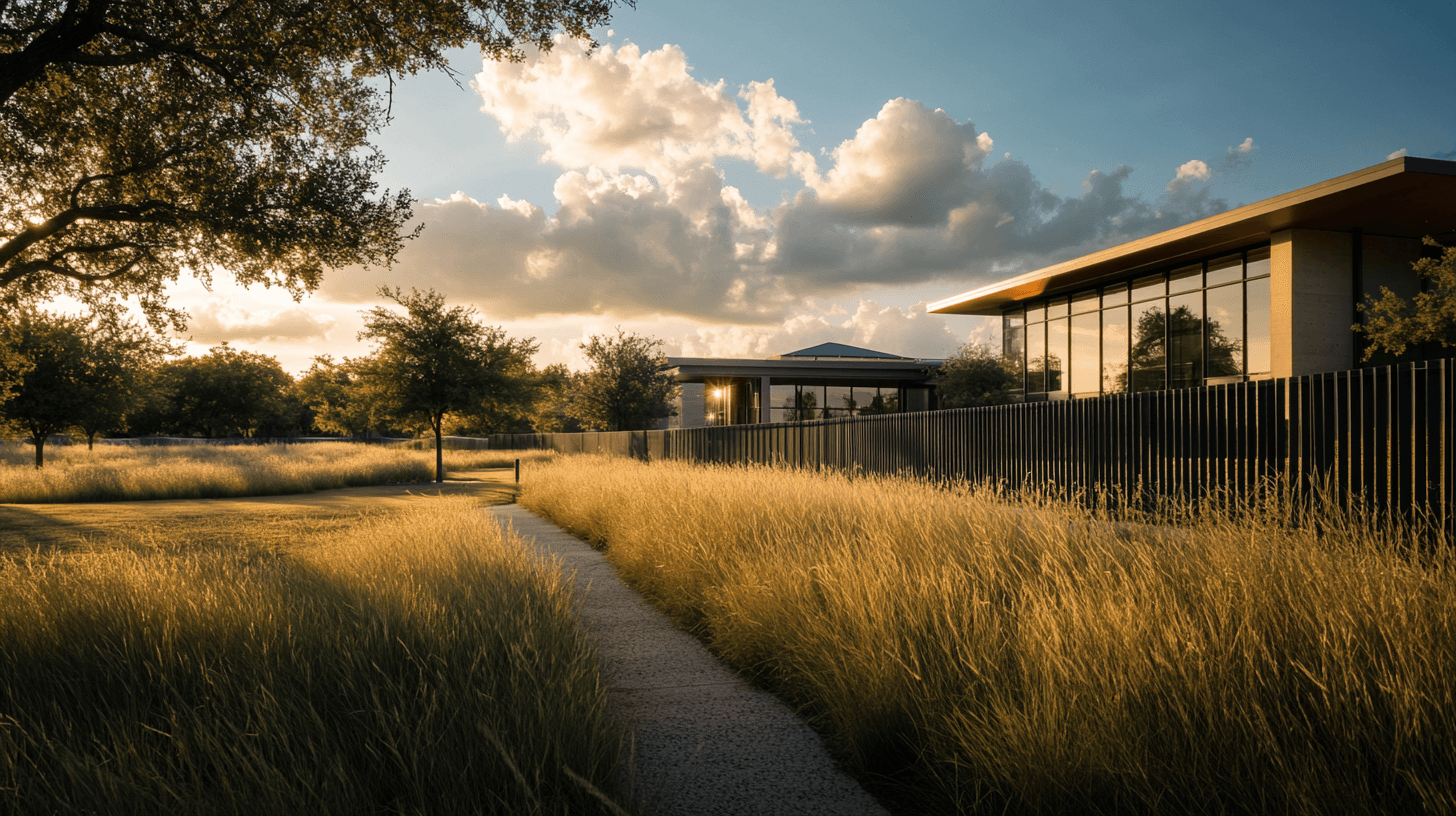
x=745, y=179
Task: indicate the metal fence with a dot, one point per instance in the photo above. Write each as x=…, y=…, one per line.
x=1378, y=436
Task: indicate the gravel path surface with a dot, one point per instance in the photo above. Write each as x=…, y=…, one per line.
x=706, y=741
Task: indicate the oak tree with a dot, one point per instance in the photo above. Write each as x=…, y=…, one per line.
x=626, y=388
x=1393, y=324
x=143, y=138
x=975, y=375
x=433, y=362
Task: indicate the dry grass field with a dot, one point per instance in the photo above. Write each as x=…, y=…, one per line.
x=974, y=654
x=373, y=650
x=121, y=473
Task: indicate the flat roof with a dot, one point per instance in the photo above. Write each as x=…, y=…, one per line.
x=1406, y=197
x=693, y=369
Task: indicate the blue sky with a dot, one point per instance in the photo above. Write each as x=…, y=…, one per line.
x=848, y=216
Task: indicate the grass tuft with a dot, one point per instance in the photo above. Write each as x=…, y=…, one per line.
x=970, y=651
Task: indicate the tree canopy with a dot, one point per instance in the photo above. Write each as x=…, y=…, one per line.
x=975, y=375
x=1394, y=324
x=143, y=138
x=433, y=361
x=625, y=388
x=226, y=392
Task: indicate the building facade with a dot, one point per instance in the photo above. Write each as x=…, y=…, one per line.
x=1266, y=290
x=821, y=382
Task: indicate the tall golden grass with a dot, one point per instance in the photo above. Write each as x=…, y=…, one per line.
x=119, y=473
x=422, y=663
x=1028, y=657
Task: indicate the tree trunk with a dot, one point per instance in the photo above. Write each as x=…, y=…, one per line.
x=90, y=442
x=439, y=451
x=39, y=451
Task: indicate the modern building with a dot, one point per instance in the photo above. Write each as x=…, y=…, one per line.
x=821, y=382
x=1265, y=290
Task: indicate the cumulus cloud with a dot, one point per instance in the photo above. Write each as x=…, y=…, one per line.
x=1396, y=155
x=644, y=222
x=909, y=332
x=1241, y=155
x=217, y=321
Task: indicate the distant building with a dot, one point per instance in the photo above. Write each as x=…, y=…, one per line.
x=1265, y=290
x=824, y=381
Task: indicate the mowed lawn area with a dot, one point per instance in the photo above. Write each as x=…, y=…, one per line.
x=966, y=651
x=363, y=650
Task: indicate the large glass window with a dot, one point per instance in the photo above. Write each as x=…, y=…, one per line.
x=1086, y=363
x=1179, y=328
x=1185, y=340
x=1149, y=358
x=1056, y=355
x=1114, y=350
x=1013, y=343
x=1036, y=358
x=1225, y=270
x=1257, y=327
x=1224, y=331
x=839, y=401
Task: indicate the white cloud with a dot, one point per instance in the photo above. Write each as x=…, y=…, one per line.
x=1396, y=155
x=1189, y=172
x=1246, y=146
x=910, y=332
x=644, y=223
x=217, y=321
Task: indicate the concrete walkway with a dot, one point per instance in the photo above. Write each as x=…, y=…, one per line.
x=706, y=741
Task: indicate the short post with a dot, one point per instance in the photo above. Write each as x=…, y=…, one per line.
x=518, y=471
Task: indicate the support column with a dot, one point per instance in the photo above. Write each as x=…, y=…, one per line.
x=764, y=405
x=1311, y=278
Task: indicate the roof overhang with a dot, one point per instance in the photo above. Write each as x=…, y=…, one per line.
x=698, y=369
x=1405, y=197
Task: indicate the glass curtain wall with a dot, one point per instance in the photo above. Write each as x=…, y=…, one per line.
x=801, y=403
x=1193, y=325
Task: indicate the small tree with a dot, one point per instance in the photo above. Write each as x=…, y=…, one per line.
x=556, y=391
x=432, y=362
x=626, y=388
x=122, y=355
x=975, y=375
x=342, y=402
x=52, y=369
x=1392, y=324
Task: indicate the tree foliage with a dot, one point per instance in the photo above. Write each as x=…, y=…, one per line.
x=341, y=399
x=626, y=388
x=82, y=373
x=432, y=362
x=975, y=375
x=141, y=138
x=226, y=392
x=1394, y=324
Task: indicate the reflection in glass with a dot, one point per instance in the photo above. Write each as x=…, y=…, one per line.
x=1225, y=270
x=1186, y=279
x=1257, y=310
x=1013, y=343
x=838, y=401
x=807, y=405
x=1224, y=328
x=1056, y=354
x=1114, y=350
x=1145, y=288
x=1149, y=354
x=887, y=401
x=1258, y=264
x=1057, y=308
x=1035, y=358
x=1185, y=340
x=1085, y=302
x=1085, y=364
x=1114, y=295
x=1035, y=314
x=782, y=396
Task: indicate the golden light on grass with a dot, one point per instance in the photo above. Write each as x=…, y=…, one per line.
x=117, y=473
x=1027, y=657
x=421, y=662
